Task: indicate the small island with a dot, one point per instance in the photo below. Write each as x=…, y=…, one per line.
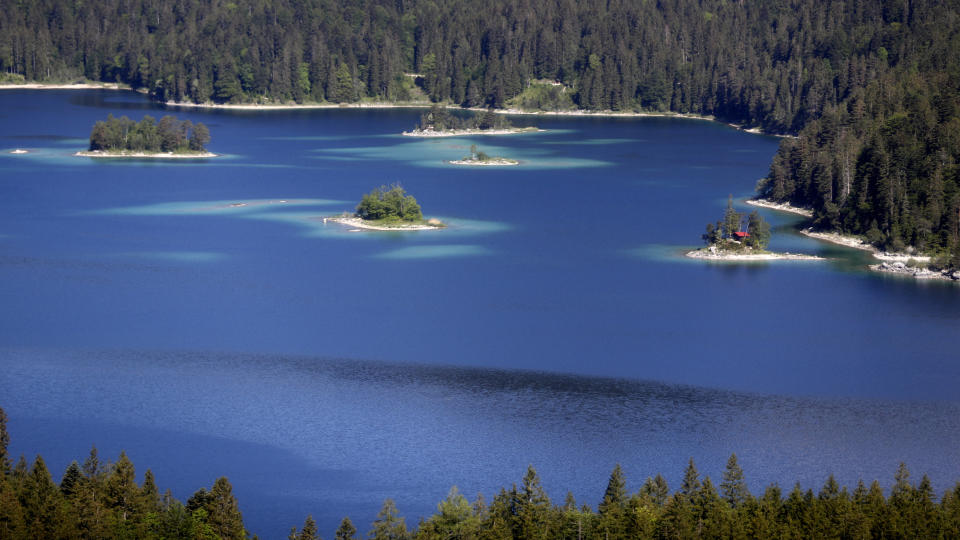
x=480, y=159
x=726, y=240
x=168, y=138
x=388, y=209
x=439, y=122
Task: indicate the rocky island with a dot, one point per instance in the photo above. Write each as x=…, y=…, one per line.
x=439, y=122
x=387, y=209
x=166, y=139
x=727, y=240
x=480, y=159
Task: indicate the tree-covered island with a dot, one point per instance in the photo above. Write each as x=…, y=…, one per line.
x=480, y=158
x=170, y=137
x=740, y=238
x=388, y=208
x=440, y=122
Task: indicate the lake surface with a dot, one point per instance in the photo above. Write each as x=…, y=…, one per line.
x=201, y=315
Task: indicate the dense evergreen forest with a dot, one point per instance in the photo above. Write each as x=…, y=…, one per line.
x=871, y=86
x=99, y=500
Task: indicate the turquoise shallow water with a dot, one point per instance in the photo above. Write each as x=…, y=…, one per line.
x=201, y=315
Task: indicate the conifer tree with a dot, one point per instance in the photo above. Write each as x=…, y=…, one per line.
x=308, y=532
x=346, y=530
x=70, y=483
x=691, y=480
x=388, y=525
x=224, y=512
x=733, y=487
x=532, y=507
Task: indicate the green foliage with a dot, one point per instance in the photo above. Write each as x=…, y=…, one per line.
x=389, y=203
x=759, y=231
x=722, y=232
x=441, y=119
x=389, y=525
x=543, y=96
x=147, y=135
x=346, y=530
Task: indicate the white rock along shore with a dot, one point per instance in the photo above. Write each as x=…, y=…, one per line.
x=358, y=223
x=492, y=162
x=468, y=132
x=151, y=155
x=783, y=207
x=713, y=254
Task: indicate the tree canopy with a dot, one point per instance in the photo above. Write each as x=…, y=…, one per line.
x=389, y=203
x=148, y=135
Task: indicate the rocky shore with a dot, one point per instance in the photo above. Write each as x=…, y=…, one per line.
x=468, y=132
x=917, y=272
x=713, y=254
x=492, y=162
x=358, y=224
x=782, y=207
x=149, y=155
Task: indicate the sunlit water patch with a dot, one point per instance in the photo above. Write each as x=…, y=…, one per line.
x=222, y=207
x=435, y=252
x=178, y=256
x=440, y=151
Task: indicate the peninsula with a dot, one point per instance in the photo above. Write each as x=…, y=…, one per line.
x=168, y=138
x=908, y=262
x=388, y=209
x=440, y=122
x=728, y=241
x=480, y=159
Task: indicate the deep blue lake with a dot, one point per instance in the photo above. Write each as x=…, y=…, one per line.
x=200, y=315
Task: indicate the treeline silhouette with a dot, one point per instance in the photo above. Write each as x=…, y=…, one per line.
x=103, y=500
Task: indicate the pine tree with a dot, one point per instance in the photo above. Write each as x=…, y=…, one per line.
x=532, y=507
x=39, y=500
x=733, y=487
x=691, y=480
x=388, y=525
x=224, y=512
x=121, y=490
x=70, y=483
x=308, y=532
x=346, y=530
x=613, y=505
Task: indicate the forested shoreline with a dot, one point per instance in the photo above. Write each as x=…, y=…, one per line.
x=98, y=500
x=871, y=87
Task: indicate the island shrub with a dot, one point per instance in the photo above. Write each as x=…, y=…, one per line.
x=148, y=135
x=390, y=204
x=728, y=233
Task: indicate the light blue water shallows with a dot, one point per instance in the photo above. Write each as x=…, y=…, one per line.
x=202, y=316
